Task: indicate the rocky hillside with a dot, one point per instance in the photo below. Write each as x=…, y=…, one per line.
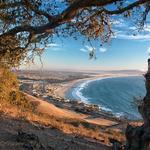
x=138, y=138
x=17, y=134
x=24, y=130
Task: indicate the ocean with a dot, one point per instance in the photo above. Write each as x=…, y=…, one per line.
x=115, y=95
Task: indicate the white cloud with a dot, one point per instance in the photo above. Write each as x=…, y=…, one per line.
x=131, y=36
x=147, y=28
x=124, y=30
x=83, y=50
x=53, y=45
x=90, y=48
x=148, y=50
x=118, y=23
x=102, y=49
x=87, y=49
x=132, y=28
x=134, y=37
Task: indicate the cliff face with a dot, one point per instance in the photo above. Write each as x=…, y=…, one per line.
x=138, y=138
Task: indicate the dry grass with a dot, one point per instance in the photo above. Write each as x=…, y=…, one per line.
x=14, y=104
x=69, y=126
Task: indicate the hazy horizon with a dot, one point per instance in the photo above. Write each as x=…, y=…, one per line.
x=78, y=70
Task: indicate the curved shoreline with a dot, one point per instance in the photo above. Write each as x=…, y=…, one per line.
x=79, y=85
x=63, y=88
x=82, y=84
x=76, y=93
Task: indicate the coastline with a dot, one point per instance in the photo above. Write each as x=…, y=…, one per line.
x=54, y=102
x=64, y=88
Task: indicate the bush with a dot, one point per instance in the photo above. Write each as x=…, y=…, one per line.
x=19, y=99
x=9, y=90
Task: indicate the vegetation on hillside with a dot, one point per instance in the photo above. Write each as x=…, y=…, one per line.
x=28, y=26
x=9, y=90
x=15, y=104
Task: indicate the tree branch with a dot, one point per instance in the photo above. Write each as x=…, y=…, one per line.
x=37, y=11
x=129, y=7
x=8, y=5
x=69, y=13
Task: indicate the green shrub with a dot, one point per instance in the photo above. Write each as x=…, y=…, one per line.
x=9, y=90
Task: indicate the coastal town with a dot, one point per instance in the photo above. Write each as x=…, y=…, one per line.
x=74, y=75
x=53, y=86
x=53, y=90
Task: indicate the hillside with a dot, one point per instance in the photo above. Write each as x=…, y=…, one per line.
x=40, y=138
x=50, y=127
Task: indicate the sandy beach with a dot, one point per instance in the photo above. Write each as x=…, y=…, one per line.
x=58, y=106
x=60, y=91
x=62, y=88
x=48, y=95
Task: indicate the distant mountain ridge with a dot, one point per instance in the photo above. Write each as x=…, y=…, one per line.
x=116, y=71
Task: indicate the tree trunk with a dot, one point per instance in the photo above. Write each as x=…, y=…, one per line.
x=138, y=138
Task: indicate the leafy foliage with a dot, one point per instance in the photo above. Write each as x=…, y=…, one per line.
x=27, y=26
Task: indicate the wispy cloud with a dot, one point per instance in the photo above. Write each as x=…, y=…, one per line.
x=126, y=30
x=90, y=49
x=83, y=50
x=118, y=23
x=54, y=47
x=147, y=28
x=102, y=49
x=87, y=49
x=140, y=37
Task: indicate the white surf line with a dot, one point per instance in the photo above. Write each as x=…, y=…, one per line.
x=85, y=83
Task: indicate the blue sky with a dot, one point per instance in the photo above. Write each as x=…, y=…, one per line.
x=118, y=54
x=128, y=49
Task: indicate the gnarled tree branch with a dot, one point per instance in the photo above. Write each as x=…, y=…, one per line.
x=68, y=14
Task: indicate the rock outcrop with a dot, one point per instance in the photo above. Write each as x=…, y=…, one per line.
x=138, y=138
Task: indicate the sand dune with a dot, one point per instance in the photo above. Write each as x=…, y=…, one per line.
x=50, y=109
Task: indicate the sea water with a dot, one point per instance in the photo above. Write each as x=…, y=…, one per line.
x=115, y=95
